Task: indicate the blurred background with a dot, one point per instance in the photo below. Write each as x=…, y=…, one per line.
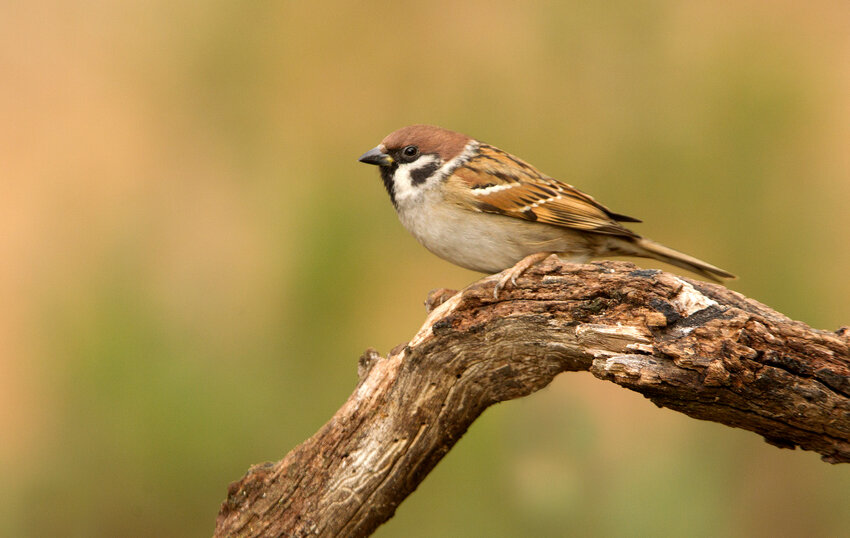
x=192, y=259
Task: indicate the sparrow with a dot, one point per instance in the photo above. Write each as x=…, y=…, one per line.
x=484, y=209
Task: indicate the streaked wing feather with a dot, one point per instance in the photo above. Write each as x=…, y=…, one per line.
x=493, y=181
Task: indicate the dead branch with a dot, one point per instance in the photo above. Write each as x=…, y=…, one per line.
x=694, y=347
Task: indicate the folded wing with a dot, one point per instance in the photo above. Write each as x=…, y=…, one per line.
x=493, y=181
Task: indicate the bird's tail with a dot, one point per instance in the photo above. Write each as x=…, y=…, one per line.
x=647, y=248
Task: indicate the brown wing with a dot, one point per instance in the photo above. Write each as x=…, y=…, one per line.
x=493, y=181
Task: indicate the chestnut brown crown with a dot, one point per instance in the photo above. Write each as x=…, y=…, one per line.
x=429, y=139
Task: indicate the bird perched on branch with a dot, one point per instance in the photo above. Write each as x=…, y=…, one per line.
x=483, y=209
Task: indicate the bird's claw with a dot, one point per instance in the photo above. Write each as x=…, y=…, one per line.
x=510, y=275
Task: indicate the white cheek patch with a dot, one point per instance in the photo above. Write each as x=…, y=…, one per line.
x=410, y=178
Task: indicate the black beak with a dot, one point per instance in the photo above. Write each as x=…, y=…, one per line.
x=377, y=157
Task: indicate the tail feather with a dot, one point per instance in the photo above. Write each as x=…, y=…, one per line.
x=647, y=248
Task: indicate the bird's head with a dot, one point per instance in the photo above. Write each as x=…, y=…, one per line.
x=412, y=158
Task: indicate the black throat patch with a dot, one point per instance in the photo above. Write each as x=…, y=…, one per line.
x=387, y=173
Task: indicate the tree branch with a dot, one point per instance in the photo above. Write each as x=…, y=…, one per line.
x=694, y=347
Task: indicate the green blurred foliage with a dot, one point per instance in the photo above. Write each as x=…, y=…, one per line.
x=191, y=259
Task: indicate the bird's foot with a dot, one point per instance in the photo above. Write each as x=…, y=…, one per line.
x=510, y=275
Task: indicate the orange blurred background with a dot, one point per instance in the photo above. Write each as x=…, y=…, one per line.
x=191, y=258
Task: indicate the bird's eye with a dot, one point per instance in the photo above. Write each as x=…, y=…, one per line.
x=410, y=152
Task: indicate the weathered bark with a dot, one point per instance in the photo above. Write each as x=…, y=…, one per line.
x=698, y=348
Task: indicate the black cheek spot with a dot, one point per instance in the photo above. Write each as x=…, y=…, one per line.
x=421, y=174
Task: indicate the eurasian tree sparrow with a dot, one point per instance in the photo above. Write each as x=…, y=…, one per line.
x=483, y=209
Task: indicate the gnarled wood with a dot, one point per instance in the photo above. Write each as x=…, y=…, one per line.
x=698, y=348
